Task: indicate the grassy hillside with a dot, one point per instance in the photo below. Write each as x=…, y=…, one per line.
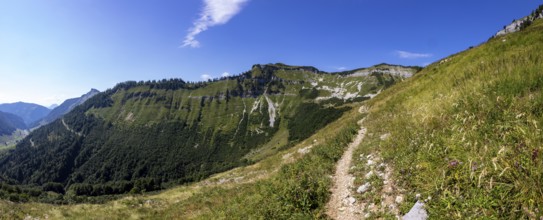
x=466, y=131
x=144, y=136
x=292, y=183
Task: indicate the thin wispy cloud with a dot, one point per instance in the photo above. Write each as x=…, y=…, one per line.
x=411, y=55
x=215, y=12
x=225, y=74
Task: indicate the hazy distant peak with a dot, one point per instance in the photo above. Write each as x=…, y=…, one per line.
x=89, y=94
x=29, y=112
x=65, y=107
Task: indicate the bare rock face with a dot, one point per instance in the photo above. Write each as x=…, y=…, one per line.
x=390, y=69
x=516, y=25
x=513, y=27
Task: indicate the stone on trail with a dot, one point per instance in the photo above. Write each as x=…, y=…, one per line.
x=363, y=188
x=399, y=199
x=417, y=212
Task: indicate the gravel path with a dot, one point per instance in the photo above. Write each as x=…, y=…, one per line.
x=342, y=205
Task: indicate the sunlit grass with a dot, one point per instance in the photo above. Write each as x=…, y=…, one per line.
x=466, y=130
x=239, y=192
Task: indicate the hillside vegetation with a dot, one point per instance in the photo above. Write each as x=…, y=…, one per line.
x=145, y=136
x=292, y=183
x=63, y=109
x=9, y=123
x=463, y=132
x=12, y=130
x=466, y=131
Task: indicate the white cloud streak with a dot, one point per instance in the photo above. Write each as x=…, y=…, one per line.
x=225, y=74
x=215, y=12
x=411, y=55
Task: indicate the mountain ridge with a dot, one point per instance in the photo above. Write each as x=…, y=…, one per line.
x=473, y=119
x=29, y=112
x=520, y=24
x=64, y=108
x=461, y=138
x=142, y=136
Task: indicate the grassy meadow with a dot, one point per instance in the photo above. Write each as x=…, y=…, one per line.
x=466, y=131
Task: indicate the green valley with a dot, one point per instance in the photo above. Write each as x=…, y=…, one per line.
x=145, y=136
x=460, y=138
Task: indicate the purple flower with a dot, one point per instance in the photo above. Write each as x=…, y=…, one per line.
x=453, y=163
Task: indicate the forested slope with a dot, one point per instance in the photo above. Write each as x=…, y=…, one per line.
x=9, y=123
x=142, y=136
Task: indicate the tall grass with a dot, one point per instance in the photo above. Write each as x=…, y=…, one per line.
x=298, y=191
x=467, y=131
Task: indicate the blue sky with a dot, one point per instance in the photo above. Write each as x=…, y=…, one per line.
x=51, y=50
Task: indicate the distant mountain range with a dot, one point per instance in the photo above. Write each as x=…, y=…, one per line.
x=29, y=112
x=170, y=131
x=64, y=108
x=34, y=115
x=459, y=137
x=17, y=119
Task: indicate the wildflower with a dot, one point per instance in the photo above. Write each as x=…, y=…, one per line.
x=454, y=163
x=474, y=166
x=535, y=154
